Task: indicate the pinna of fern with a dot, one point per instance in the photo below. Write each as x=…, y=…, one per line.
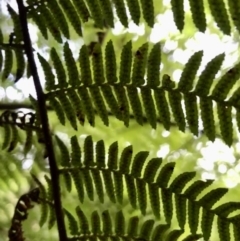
x=98, y=87
x=120, y=176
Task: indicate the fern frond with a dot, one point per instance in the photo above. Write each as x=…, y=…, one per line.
x=96, y=13
x=82, y=9
x=97, y=63
x=178, y=13
x=189, y=71
x=107, y=11
x=110, y=63
x=121, y=12
x=234, y=11
x=134, y=9
x=219, y=12
x=60, y=72
x=73, y=225
x=72, y=15
x=198, y=14
x=20, y=64
x=47, y=69
x=8, y=63
x=73, y=76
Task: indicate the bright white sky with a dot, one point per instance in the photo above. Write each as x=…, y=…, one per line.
x=211, y=44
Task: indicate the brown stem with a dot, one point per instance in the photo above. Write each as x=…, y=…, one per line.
x=44, y=121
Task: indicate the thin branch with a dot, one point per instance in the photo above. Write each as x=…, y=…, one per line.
x=44, y=121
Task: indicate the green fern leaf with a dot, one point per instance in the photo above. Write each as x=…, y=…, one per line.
x=50, y=22
x=125, y=160
x=73, y=75
x=141, y=195
x=54, y=103
x=85, y=68
x=134, y=9
x=118, y=182
x=146, y=229
x=77, y=105
x=111, y=100
x=181, y=181
x=49, y=76
x=207, y=223
x=162, y=106
x=198, y=14
x=227, y=81
x=39, y=21
x=106, y=223
x=88, y=160
x=209, y=199
x=193, y=215
x=151, y=169
x=96, y=13
x=139, y=65
x=99, y=104
x=132, y=229
x=57, y=63
x=233, y=7
x=98, y=184
x=166, y=195
x=28, y=141
x=153, y=66
x=65, y=158
x=178, y=13
x=135, y=104
x=190, y=71
x=100, y=154
x=219, y=12
x=59, y=17
x=226, y=125
x=119, y=223
x=225, y=209
x=223, y=229
x=97, y=63
x=88, y=183
x=138, y=163
x=207, y=76
x=181, y=205
x=72, y=15
x=82, y=9
x=110, y=63
x=14, y=138
x=95, y=223
x=153, y=191
x=83, y=222
x=87, y=105
x=7, y=136
x=123, y=103
x=131, y=190
x=73, y=225
x=176, y=106
x=43, y=196
x=206, y=107
x=16, y=24
x=78, y=181
x=159, y=232
x=121, y=12
x=52, y=216
x=148, y=11
x=68, y=109
x=196, y=188
x=149, y=106
x=165, y=174
x=236, y=231
x=8, y=63
x=20, y=64
x=107, y=12
x=113, y=156
x=108, y=182
x=126, y=63
x=190, y=101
